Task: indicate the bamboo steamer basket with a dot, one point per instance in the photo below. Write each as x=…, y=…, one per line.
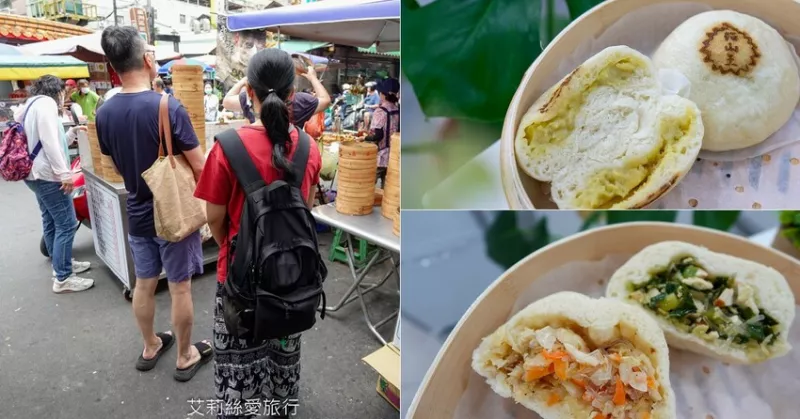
x=94, y=148
x=396, y=223
x=447, y=379
x=187, y=81
x=108, y=170
x=391, y=197
x=358, y=165
x=524, y=192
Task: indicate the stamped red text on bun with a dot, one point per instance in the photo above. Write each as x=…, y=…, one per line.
x=730, y=50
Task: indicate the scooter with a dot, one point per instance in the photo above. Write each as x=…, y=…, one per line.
x=79, y=201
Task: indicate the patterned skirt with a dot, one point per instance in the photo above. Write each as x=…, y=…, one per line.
x=254, y=380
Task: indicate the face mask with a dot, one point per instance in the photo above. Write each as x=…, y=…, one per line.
x=208, y=91
x=84, y=90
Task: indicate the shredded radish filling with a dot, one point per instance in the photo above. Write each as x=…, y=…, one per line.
x=617, y=381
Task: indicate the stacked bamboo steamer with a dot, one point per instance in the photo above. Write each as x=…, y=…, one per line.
x=94, y=148
x=358, y=166
x=396, y=223
x=391, y=190
x=188, y=86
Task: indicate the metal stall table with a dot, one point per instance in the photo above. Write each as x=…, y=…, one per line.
x=377, y=230
x=109, y=221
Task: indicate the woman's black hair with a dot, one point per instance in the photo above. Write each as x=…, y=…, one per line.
x=270, y=74
x=390, y=97
x=48, y=85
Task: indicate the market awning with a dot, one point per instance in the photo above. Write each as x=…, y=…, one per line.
x=301, y=46
x=85, y=47
x=374, y=51
x=359, y=23
x=28, y=67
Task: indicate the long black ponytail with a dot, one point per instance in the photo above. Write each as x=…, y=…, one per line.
x=270, y=74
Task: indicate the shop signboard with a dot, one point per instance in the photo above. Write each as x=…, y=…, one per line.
x=139, y=21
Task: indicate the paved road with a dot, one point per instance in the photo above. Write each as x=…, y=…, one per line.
x=72, y=356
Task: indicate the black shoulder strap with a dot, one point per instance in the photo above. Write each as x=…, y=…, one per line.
x=300, y=158
x=238, y=158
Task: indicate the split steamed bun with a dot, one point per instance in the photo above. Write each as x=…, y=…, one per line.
x=571, y=356
x=717, y=305
x=743, y=76
x=606, y=137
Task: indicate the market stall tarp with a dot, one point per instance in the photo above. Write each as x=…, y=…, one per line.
x=358, y=23
x=84, y=47
x=167, y=68
x=27, y=67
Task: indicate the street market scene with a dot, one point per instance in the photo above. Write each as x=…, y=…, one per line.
x=219, y=176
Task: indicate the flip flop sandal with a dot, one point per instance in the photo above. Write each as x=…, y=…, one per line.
x=148, y=364
x=206, y=353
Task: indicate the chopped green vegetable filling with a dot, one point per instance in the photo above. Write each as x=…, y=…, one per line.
x=709, y=307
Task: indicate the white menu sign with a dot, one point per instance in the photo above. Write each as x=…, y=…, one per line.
x=107, y=229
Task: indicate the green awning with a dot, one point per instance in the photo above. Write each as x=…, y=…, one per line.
x=301, y=46
x=374, y=51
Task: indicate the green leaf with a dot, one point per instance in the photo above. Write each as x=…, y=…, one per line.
x=719, y=220
x=579, y=7
x=591, y=220
x=616, y=217
x=466, y=58
x=507, y=244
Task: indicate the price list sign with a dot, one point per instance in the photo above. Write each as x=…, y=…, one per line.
x=107, y=229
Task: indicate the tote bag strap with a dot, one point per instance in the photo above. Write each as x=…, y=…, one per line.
x=165, y=130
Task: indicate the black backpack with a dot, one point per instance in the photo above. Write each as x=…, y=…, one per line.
x=275, y=271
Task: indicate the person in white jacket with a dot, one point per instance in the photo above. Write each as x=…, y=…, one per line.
x=51, y=179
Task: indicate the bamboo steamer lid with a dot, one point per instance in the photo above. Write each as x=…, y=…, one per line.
x=391, y=193
x=396, y=223
x=358, y=165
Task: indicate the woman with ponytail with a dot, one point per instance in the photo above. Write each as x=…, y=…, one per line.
x=245, y=370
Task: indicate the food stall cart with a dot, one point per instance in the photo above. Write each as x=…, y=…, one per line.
x=376, y=229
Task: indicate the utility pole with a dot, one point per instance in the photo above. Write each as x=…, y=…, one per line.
x=115, y=12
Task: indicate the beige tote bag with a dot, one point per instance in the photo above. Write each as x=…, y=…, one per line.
x=177, y=212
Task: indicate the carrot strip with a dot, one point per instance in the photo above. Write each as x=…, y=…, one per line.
x=553, y=355
x=560, y=367
x=578, y=382
x=553, y=399
x=536, y=373
x=619, y=393
x=651, y=382
x=615, y=357
x=646, y=415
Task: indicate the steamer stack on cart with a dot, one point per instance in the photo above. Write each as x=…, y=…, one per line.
x=391, y=194
x=187, y=81
x=358, y=166
x=94, y=148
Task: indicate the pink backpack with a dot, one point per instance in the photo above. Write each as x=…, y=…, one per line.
x=15, y=162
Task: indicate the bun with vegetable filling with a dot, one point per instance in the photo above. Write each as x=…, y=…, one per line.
x=721, y=306
x=571, y=356
x=606, y=137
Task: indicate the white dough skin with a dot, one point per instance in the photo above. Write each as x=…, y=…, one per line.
x=743, y=76
x=603, y=321
x=606, y=137
x=772, y=294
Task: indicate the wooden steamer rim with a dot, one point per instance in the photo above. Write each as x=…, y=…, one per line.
x=448, y=376
x=524, y=192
